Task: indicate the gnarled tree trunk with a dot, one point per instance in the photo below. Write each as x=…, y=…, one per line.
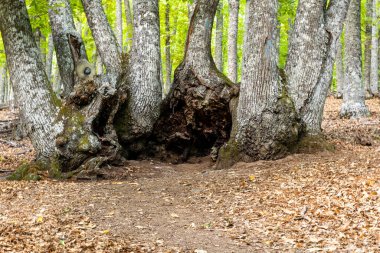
x=195, y=115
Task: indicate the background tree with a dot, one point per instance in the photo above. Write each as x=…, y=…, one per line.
x=353, y=92
x=233, y=39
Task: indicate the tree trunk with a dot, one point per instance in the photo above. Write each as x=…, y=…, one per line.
x=374, y=76
x=195, y=115
x=219, y=37
x=105, y=39
x=119, y=23
x=142, y=110
x=367, y=49
x=353, y=93
x=6, y=84
x=128, y=16
x=232, y=39
x=312, y=53
x=270, y=125
x=77, y=132
x=168, y=59
x=62, y=23
x=49, y=57
x=37, y=102
x=99, y=64
x=339, y=70
x=2, y=86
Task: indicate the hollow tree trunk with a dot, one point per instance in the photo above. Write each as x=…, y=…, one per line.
x=195, y=115
x=312, y=53
x=353, y=93
x=142, y=109
x=36, y=99
x=367, y=49
x=168, y=60
x=232, y=38
x=62, y=23
x=339, y=71
x=374, y=76
x=219, y=37
x=119, y=23
x=267, y=122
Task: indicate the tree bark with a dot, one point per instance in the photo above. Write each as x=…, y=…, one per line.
x=232, y=39
x=195, y=115
x=353, y=95
x=105, y=39
x=37, y=103
x=49, y=57
x=374, y=76
x=367, y=49
x=128, y=16
x=142, y=110
x=62, y=23
x=168, y=60
x=339, y=70
x=119, y=23
x=2, y=86
x=219, y=37
x=267, y=123
x=312, y=53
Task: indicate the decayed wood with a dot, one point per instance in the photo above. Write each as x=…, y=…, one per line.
x=195, y=116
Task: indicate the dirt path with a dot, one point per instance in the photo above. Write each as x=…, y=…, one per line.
x=306, y=203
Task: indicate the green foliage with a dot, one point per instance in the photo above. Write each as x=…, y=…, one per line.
x=179, y=23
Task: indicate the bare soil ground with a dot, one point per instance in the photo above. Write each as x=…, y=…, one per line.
x=327, y=201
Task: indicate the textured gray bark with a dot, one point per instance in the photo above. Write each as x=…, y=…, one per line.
x=144, y=78
x=266, y=119
x=105, y=39
x=128, y=16
x=232, y=39
x=49, y=56
x=2, y=86
x=312, y=53
x=168, y=61
x=98, y=64
x=219, y=37
x=374, y=76
x=119, y=23
x=367, y=49
x=29, y=78
x=6, y=84
x=62, y=23
x=353, y=92
x=339, y=70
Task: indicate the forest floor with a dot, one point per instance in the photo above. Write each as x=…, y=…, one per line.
x=327, y=201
